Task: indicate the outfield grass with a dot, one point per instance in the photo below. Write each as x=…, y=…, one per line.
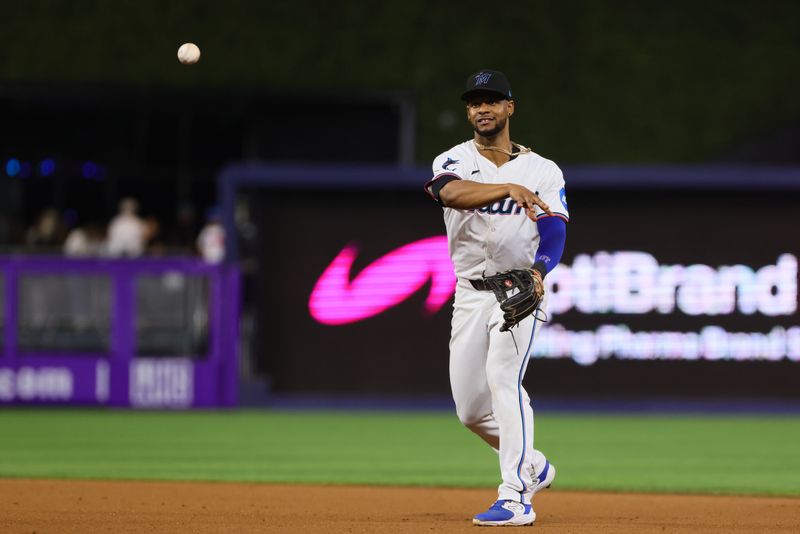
x=746, y=455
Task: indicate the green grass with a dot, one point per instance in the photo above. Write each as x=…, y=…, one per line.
x=746, y=455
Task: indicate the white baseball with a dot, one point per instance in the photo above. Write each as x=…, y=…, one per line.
x=188, y=53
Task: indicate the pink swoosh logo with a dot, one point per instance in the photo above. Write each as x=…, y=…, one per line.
x=384, y=283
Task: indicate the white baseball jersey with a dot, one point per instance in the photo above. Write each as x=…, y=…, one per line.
x=501, y=236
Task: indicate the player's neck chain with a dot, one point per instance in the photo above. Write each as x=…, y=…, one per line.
x=520, y=149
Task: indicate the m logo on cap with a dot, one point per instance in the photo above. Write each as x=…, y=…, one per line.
x=482, y=78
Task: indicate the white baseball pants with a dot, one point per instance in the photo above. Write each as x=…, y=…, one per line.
x=486, y=371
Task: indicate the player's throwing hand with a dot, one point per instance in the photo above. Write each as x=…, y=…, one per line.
x=528, y=200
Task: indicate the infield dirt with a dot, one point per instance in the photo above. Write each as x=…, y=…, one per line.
x=54, y=506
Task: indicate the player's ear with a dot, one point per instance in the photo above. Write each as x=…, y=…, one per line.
x=510, y=107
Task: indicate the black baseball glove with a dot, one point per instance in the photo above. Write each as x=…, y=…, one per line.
x=519, y=305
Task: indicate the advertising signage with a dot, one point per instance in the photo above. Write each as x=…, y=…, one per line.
x=654, y=287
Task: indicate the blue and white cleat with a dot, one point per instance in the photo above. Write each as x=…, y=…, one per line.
x=506, y=513
x=544, y=478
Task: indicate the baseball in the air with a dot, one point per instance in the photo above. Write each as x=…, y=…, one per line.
x=188, y=53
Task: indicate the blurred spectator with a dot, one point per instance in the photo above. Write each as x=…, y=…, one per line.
x=211, y=241
x=47, y=231
x=127, y=232
x=152, y=237
x=85, y=241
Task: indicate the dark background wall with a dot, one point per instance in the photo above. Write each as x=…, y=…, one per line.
x=595, y=81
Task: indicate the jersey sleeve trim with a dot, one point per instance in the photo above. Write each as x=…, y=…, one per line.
x=563, y=216
x=429, y=185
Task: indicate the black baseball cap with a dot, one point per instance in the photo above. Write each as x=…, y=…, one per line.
x=487, y=81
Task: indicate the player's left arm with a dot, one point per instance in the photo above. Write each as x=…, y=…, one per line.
x=552, y=226
x=552, y=238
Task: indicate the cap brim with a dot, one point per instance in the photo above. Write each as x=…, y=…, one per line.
x=473, y=93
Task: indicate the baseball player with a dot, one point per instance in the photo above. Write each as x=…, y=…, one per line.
x=505, y=211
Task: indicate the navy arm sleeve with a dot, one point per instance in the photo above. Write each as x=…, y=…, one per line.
x=552, y=236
